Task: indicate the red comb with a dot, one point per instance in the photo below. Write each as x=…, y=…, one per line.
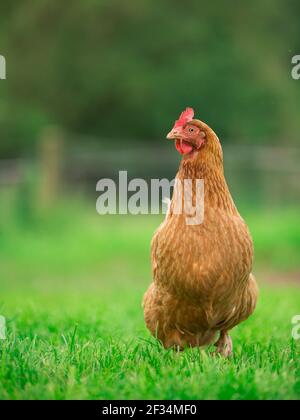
x=185, y=117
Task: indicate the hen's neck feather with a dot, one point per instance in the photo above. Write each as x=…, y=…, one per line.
x=208, y=165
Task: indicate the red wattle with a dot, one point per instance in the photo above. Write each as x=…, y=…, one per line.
x=183, y=147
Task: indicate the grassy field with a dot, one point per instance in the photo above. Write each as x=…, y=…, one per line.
x=71, y=290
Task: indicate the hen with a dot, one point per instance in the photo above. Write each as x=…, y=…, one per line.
x=202, y=281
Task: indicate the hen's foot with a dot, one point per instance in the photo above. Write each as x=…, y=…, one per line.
x=224, y=345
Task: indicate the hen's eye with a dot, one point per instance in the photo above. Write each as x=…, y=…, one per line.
x=191, y=130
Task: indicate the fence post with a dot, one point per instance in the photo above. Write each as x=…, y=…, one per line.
x=50, y=165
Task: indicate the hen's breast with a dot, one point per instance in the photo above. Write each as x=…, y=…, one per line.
x=194, y=260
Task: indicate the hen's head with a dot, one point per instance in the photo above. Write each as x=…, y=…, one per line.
x=194, y=139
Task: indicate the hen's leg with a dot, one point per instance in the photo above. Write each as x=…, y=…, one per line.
x=224, y=344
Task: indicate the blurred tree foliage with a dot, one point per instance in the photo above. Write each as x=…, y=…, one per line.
x=120, y=70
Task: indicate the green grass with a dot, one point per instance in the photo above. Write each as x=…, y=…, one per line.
x=87, y=346
x=71, y=290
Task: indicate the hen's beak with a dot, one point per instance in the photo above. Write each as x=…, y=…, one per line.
x=174, y=134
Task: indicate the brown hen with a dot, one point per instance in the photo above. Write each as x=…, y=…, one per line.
x=202, y=282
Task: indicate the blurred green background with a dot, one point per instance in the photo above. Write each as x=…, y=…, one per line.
x=92, y=88
x=119, y=70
